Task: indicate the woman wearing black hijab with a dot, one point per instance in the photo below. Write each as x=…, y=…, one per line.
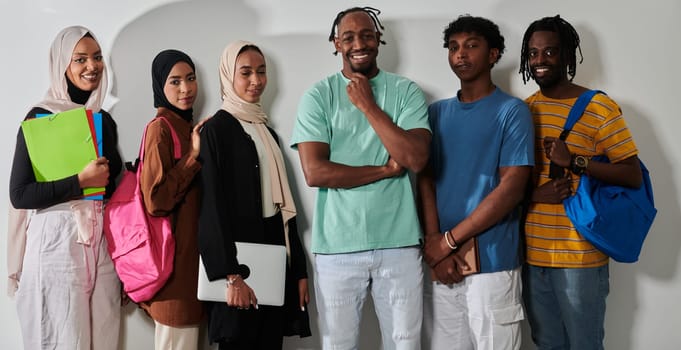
x=169, y=188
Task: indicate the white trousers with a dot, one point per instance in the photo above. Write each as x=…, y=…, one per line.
x=482, y=312
x=176, y=338
x=69, y=293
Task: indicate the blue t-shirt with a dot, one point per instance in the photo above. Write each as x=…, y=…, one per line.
x=378, y=215
x=471, y=141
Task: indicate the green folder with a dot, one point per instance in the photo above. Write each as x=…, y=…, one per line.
x=60, y=145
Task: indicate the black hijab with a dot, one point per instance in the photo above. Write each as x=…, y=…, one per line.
x=160, y=69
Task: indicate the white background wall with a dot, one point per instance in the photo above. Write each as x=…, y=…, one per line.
x=630, y=50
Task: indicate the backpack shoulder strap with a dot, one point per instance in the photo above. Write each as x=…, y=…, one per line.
x=577, y=111
x=177, y=148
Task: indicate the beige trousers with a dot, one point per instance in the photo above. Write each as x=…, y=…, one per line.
x=176, y=338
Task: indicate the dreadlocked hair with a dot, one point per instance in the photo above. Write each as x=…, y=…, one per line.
x=373, y=14
x=569, y=45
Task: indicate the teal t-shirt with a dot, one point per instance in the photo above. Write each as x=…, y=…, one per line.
x=378, y=215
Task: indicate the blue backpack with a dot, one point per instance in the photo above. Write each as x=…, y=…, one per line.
x=615, y=219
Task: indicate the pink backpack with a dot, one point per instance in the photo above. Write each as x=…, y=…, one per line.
x=141, y=246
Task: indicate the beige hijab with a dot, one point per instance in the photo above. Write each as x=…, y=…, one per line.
x=253, y=113
x=56, y=100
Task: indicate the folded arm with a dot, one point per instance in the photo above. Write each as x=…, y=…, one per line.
x=409, y=148
x=319, y=171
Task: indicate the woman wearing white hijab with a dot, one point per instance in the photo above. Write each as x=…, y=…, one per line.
x=246, y=198
x=68, y=294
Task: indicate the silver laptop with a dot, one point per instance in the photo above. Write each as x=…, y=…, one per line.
x=267, y=265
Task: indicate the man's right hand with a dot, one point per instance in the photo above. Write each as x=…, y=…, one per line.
x=359, y=92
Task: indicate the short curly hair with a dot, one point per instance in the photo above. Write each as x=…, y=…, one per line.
x=479, y=25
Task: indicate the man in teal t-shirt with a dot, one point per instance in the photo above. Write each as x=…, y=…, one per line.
x=357, y=133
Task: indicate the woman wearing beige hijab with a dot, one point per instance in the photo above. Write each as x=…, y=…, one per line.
x=246, y=198
x=68, y=294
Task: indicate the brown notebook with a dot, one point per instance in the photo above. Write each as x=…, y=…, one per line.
x=469, y=252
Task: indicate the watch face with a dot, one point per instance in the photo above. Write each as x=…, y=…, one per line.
x=580, y=161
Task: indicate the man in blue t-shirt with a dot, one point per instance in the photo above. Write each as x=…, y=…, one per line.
x=357, y=131
x=481, y=160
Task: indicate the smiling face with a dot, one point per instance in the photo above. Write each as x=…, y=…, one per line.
x=180, y=87
x=250, y=75
x=543, y=51
x=87, y=65
x=470, y=56
x=357, y=42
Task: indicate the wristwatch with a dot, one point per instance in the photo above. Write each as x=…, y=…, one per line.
x=232, y=281
x=579, y=164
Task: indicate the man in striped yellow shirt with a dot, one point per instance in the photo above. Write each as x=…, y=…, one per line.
x=566, y=278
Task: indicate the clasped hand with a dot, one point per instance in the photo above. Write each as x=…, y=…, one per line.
x=446, y=271
x=442, y=261
x=435, y=249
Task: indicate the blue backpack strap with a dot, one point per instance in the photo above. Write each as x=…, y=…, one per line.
x=577, y=110
x=555, y=171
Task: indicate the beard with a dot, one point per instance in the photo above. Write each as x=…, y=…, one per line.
x=551, y=80
x=364, y=69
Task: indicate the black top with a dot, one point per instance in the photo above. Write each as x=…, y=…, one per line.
x=26, y=193
x=231, y=210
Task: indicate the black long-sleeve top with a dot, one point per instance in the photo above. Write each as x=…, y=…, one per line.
x=231, y=208
x=26, y=193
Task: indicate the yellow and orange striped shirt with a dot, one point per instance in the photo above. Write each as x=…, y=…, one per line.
x=551, y=239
